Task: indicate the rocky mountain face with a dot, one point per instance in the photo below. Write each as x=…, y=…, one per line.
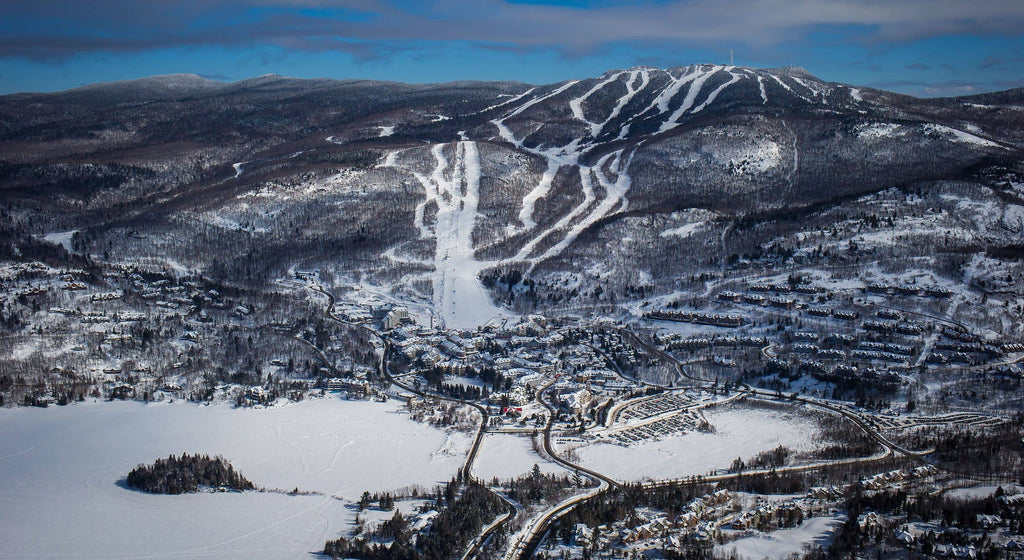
x=474, y=197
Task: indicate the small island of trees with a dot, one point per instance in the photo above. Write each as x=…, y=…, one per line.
x=187, y=473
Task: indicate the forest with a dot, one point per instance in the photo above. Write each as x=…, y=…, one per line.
x=185, y=474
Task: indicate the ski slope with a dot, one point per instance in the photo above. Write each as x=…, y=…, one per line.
x=604, y=185
x=453, y=187
x=600, y=156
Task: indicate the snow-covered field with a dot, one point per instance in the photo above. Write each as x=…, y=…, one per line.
x=60, y=470
x=982, y=491
x=779, y=545
x=510, y=456
x=62, y=238
x=740, y=432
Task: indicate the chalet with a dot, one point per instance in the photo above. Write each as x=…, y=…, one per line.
x=755, y=299
x=582, y=534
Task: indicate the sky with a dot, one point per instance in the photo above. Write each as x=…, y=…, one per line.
x=920, y=47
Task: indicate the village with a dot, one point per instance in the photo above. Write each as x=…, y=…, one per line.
x=570, y=384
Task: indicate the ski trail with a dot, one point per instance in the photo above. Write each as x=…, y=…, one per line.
x=789, y=89
x=538, y=192
x=796, y=163
x=814, y=92
x=670, y=91
x=711, y=98
x=698, y=78
x=238, y=168
x=454, y=186
x=631, y=91
x=431, y=188
x=576, y=105
x=536, y=100
x=615, y=195
x=591, y=209
x=569, y=154
x=390, y=160
x=588, y=198
x=503, y=103
x=764, y=94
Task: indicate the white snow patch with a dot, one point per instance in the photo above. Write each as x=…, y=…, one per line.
x=779, y=545
x=386, y=130
x=960, y=136
x=62, y=238
x=982, y=491
x=880, y=130
x=684, y=231
x=510, y=456
x=740, y=432
x=755, y=157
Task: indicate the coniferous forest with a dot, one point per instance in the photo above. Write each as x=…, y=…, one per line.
x=185, y=474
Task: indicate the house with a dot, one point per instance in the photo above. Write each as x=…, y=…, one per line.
x=582, y=534
x=904, y=537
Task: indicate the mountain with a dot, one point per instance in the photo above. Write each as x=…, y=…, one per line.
x=478, y=197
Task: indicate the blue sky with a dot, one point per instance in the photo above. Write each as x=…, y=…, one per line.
x=920, y=47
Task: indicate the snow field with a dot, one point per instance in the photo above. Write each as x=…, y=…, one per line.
x=740, y=432
x=510, y=456
x=780, y=544
x=60, y=470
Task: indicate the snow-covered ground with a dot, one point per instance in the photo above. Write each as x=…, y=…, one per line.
x=62, y=238
x=510, y=456
x=60, y=470
x=779, y=545
x=982, y=491
x=459, y=297
x=740, y=432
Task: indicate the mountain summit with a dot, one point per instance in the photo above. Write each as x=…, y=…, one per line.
x=478, y=197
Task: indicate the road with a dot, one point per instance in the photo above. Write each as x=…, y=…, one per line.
x=467, y=467
x=534, y=535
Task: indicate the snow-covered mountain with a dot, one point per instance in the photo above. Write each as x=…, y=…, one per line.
x=475, y=197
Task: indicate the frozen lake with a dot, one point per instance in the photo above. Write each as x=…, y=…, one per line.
x=739, y=432
x=60, y=468
x=510, y=456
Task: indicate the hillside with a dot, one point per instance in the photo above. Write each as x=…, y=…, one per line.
x=471, y=197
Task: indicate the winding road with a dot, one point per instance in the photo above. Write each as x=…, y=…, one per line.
x=527, y=544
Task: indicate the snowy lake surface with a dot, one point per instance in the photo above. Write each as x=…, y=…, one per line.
x=510, y=456
x=739, y=432
x=779, y=545
x=61, y=470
